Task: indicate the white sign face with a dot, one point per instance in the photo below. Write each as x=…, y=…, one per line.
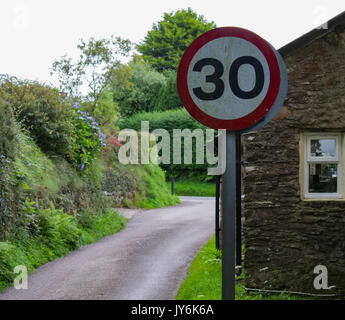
x=225, y=52
x=229, y=78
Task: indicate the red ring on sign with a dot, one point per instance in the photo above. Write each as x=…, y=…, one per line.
x=249, y=119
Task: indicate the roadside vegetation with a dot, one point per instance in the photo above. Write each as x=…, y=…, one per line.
x=204, y=280
x=60, y=175
x=193, y=188
x=57, y=234
x=170, y=120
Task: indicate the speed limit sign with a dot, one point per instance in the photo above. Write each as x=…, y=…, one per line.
x=230, y=78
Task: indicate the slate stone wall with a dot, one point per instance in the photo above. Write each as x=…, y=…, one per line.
x=286, y=237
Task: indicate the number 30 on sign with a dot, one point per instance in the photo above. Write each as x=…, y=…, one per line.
x=229, y=78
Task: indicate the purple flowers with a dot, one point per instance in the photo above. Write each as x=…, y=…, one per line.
x=89, y=137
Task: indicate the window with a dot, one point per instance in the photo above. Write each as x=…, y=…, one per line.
x=322, y=166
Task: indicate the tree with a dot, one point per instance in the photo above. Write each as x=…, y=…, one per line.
x=135, y=87
x=164, y=45
x=168, y=97
x=94, y=68
x=106, y=110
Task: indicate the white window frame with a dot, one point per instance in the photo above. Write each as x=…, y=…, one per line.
x=308, y=159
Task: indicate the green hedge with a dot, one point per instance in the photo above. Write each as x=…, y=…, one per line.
x=169, y=120
x=168, y=97
x=43, y=112
x=54, y=122
x=8, y=175
x=33, y=175
x=8, y=132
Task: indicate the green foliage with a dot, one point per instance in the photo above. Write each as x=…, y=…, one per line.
x=59, y=231
x=57, y=234
x=88, y=139
x=81, y=194
x=29, y=214
x=37, y=170
x=35, y=181
x=152, y=189
x=164, y=45
x=204, y=280
x=204, y=277
x=105, y=112
x=168, y=97
x=9, y=179
x=8, y=253
x=8, y=131
x=32, y=176
x=135, y=186
x=9, y=176
x=96, y=227
x=170, y=120
x=55, y=123
x=193, y=188
x=120, y=182
x=97, y=60
x=135, y=87
x=42, y=111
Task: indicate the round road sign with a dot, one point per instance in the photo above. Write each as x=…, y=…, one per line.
x=229, y=78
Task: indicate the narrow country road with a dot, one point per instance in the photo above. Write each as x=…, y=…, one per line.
x=146, y=260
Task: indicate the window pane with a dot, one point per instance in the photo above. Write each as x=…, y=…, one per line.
x=322, y=147
x=323, y=178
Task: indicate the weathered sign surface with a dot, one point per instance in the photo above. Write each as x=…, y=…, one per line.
x=230, y=78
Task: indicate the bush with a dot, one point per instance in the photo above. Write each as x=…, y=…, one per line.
x=168, y=97
x=43, y=112
x=134, y=185
x=88, y=139
x=7, y=198
x=37, y=170
x=9, y=176
x=58, y=230
x=194, y=188
x=152, y=191
x=169, y=120
x=32, y=176
x=135, y=87
x=57, y=235
x=105, y=110
x=8, y=131
x=54, y=122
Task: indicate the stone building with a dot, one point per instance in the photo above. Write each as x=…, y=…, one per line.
x=294, y=184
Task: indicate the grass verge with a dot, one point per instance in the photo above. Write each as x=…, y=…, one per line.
x=193, y=188
x=204, y=280
x=56, y=235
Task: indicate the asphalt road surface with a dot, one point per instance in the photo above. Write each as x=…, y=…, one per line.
x=146, y=260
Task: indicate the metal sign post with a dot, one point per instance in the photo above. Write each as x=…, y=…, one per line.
x=217, y=212
x=238, y=205
x=229, y=218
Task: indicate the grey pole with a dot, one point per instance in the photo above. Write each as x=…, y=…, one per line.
x=172, y=185
x=229, y=214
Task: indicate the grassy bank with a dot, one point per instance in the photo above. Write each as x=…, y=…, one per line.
x=193, y=188
x=204, y=278
x=55, y=235
x=151, y=189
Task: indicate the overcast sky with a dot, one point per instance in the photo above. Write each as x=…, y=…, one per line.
x=36, y=32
